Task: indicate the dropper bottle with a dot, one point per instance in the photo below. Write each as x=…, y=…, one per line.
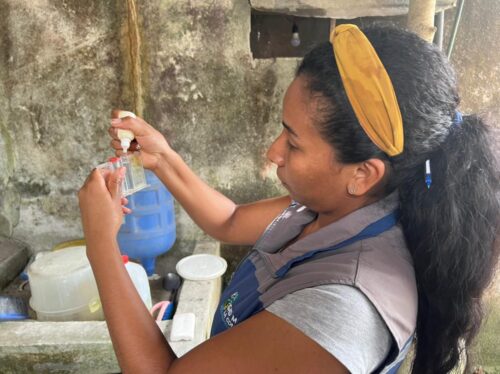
x=125, y=136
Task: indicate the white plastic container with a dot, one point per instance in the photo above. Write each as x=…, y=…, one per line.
x=201, y=267
x=63, y=287
x=140, y=280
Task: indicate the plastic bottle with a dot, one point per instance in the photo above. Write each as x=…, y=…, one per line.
x=125, y=136
x=140, y=280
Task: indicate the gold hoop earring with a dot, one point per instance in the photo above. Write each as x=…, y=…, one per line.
x=351, y=189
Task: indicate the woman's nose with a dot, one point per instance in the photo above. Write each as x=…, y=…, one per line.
x=275, y=153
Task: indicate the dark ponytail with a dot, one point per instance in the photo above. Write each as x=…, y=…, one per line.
x=450, y=228
x=450, y=232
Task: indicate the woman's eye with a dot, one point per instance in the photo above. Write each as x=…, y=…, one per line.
x=290, y=145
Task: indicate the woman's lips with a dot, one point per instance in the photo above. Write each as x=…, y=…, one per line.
x=282, y=182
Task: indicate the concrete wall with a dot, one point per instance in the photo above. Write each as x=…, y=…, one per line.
x=476, y=56
x=60, y=70
x=65, y=63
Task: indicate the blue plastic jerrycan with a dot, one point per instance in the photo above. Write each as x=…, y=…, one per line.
x=149, y=230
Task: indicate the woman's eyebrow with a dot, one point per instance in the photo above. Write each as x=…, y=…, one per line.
x=290, y=130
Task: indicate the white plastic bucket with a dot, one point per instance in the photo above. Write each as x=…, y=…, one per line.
x=63, y=287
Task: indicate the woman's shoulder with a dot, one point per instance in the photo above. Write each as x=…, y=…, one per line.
x=342, y=320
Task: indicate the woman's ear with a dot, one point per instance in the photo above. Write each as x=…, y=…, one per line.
x=366, y=176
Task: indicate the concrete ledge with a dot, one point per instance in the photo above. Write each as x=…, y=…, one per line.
x=85, y=347
x=200, y=298
x=56, y=347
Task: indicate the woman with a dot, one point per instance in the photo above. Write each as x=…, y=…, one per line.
x=392, y=197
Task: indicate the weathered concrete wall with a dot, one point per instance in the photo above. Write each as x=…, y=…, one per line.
x=60, y=69
x=476, y=55
x=64, y=64
x=218, y=107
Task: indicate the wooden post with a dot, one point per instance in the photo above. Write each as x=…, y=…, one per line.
x=332, y=24
x=421, y=18
x=135, y=57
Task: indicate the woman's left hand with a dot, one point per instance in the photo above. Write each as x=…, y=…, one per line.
x=101, y=204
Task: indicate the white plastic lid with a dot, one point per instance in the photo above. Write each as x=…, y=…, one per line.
x=201, y=267
x=61, y=263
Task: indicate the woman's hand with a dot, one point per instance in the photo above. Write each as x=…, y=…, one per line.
x=101, y=205
x=152, y=144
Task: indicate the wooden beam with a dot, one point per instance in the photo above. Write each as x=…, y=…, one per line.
x=333, y=23
x=135, y=57
x=421, y=18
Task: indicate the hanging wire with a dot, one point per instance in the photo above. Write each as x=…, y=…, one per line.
x=455, y=28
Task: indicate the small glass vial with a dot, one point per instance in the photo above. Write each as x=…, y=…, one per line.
x=135, y=179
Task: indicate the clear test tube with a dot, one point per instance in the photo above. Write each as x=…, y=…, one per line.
x=137, y=176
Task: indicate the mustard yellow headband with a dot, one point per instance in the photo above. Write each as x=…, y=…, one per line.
x=368, y=88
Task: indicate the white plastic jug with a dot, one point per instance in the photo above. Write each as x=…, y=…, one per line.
x=140, y=280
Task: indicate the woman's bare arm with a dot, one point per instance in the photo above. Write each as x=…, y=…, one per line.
x=263, y=343
x=216, y=214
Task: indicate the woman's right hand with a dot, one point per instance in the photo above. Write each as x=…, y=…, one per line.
x=152, y=144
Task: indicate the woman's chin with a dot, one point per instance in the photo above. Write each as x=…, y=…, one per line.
x=290, y=192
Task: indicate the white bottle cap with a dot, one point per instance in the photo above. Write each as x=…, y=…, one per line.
x=125, y=143
x=124, y=113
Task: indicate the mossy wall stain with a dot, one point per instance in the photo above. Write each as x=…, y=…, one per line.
x=7, y=150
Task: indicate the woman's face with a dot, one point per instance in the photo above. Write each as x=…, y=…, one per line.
x=307, y=166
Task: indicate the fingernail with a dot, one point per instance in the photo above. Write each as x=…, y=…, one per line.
x=122, y=172
x=116, y=121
